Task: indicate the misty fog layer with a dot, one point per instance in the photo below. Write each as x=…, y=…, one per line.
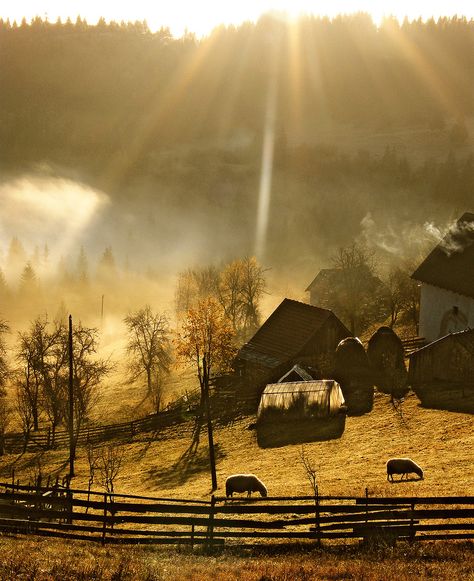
x=151, y=148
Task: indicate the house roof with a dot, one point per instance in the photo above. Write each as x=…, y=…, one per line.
x=450, y=265
x=286, y=331
x=464, y=338
x=327, y=277
x=324, y=275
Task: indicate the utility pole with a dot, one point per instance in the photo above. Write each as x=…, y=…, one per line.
x=71, y=402
x=212, y=454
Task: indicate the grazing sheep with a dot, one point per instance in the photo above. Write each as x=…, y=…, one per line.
x=244, y=482
x=403, y=466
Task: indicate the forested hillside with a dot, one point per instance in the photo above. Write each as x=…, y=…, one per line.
x=371, y=125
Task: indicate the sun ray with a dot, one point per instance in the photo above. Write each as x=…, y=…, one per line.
x=266, y=171
x=423, y=67
x=161, y=108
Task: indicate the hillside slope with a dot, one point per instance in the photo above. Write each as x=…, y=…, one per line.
x=163, y=464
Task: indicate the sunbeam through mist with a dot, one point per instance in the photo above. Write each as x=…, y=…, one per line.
x=48, y=210
x=266, y=172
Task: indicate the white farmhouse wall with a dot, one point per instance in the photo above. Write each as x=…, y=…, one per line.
x=436, y=306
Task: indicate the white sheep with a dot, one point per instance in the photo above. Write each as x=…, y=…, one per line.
x=403, y=466
x=244, y=483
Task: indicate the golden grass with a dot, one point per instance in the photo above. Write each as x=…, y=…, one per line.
x=47, y=560
x=158, y=464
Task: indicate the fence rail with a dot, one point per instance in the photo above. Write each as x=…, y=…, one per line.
x=110, y=518
x=43, y=439
x=411, y=344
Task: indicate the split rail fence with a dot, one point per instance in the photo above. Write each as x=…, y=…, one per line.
x=224, y=404
x=114, y=519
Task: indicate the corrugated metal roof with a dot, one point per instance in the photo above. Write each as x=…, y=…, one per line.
x=286, y=331
x=450, y=265
x=299, y=387
x=465, y=338
x=298, y=370
x=318, y=397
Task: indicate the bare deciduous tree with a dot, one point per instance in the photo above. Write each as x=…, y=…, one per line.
x=149, y=350
x=358, y=297
x=88, y=372
x=4, y=421
x=310, y=470
x=23, y=406
x=238, y=286
x=32, y=352
x=4, y=367
x=109, y=463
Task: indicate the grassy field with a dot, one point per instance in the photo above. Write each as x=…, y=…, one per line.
x=45, y=559
x=163, y=464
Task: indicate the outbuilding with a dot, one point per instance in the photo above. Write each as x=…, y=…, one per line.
x=300, y=411
x=442, y=372
x=295, y=333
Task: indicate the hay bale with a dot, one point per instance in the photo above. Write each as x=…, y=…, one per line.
x=386, y=357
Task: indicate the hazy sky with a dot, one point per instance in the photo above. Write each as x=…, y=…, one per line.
x=201, y=16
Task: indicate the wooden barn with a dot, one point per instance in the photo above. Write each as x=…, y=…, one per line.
x=447, y=283
x=294, y=333
x=300, y=411
x=442, y=373
x=330, y=284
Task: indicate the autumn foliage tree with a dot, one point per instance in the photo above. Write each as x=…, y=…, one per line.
x=206, y=341
x=237, y=286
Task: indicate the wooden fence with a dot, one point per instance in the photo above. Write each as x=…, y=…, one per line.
x=412, y=344
x=223, y=405
x=104, y=518
x=42, y=439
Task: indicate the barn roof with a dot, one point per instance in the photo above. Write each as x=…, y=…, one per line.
x=464, y=338
x=450, y=265
x=286, y=331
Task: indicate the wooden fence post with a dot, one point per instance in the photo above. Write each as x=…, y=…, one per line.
x=69, y=501
x=210, y=526
x=366, y=505
x=104, y=528
x=412, y=523
x=318, y=523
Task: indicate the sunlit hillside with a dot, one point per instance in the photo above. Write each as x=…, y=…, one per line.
x=156, y=463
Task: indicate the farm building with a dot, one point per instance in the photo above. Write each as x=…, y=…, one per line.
x=352, y=371
x=442, y=373
x=294, y=333
x=447, y=283
x=387, y=362
x=330, y=285
x=300, y=411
